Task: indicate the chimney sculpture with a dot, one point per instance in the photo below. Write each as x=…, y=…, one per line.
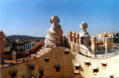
x=54, y=36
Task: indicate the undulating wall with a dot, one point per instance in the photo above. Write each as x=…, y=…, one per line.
x=67, y=65
x=75, y=45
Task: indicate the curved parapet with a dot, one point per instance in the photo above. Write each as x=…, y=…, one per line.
x=54, y=36
x=85, y=51
x=75, y=45
x=65, y=63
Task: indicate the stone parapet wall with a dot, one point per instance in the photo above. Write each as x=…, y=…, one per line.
x=66, y=63
x=73, y=40
x=75, y=45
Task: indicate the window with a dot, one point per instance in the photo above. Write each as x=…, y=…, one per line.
x=13, y=75
x=66, y=51
x=41, y=73
x=57, y=67
x=95, y=70
x=46, y=59
x=77, y=67
x=87, y=62
x=32, y=66
x=104, y=63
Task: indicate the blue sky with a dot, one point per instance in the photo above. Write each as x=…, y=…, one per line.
x=32, y=17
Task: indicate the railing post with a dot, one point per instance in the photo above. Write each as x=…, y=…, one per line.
x=73, y=35
x=77, y=39
x=74, y=40
x=69, y=39
x=106, y=45
x=93, y=45
x=62, y=42
x=70, y=36
x=104, y=39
